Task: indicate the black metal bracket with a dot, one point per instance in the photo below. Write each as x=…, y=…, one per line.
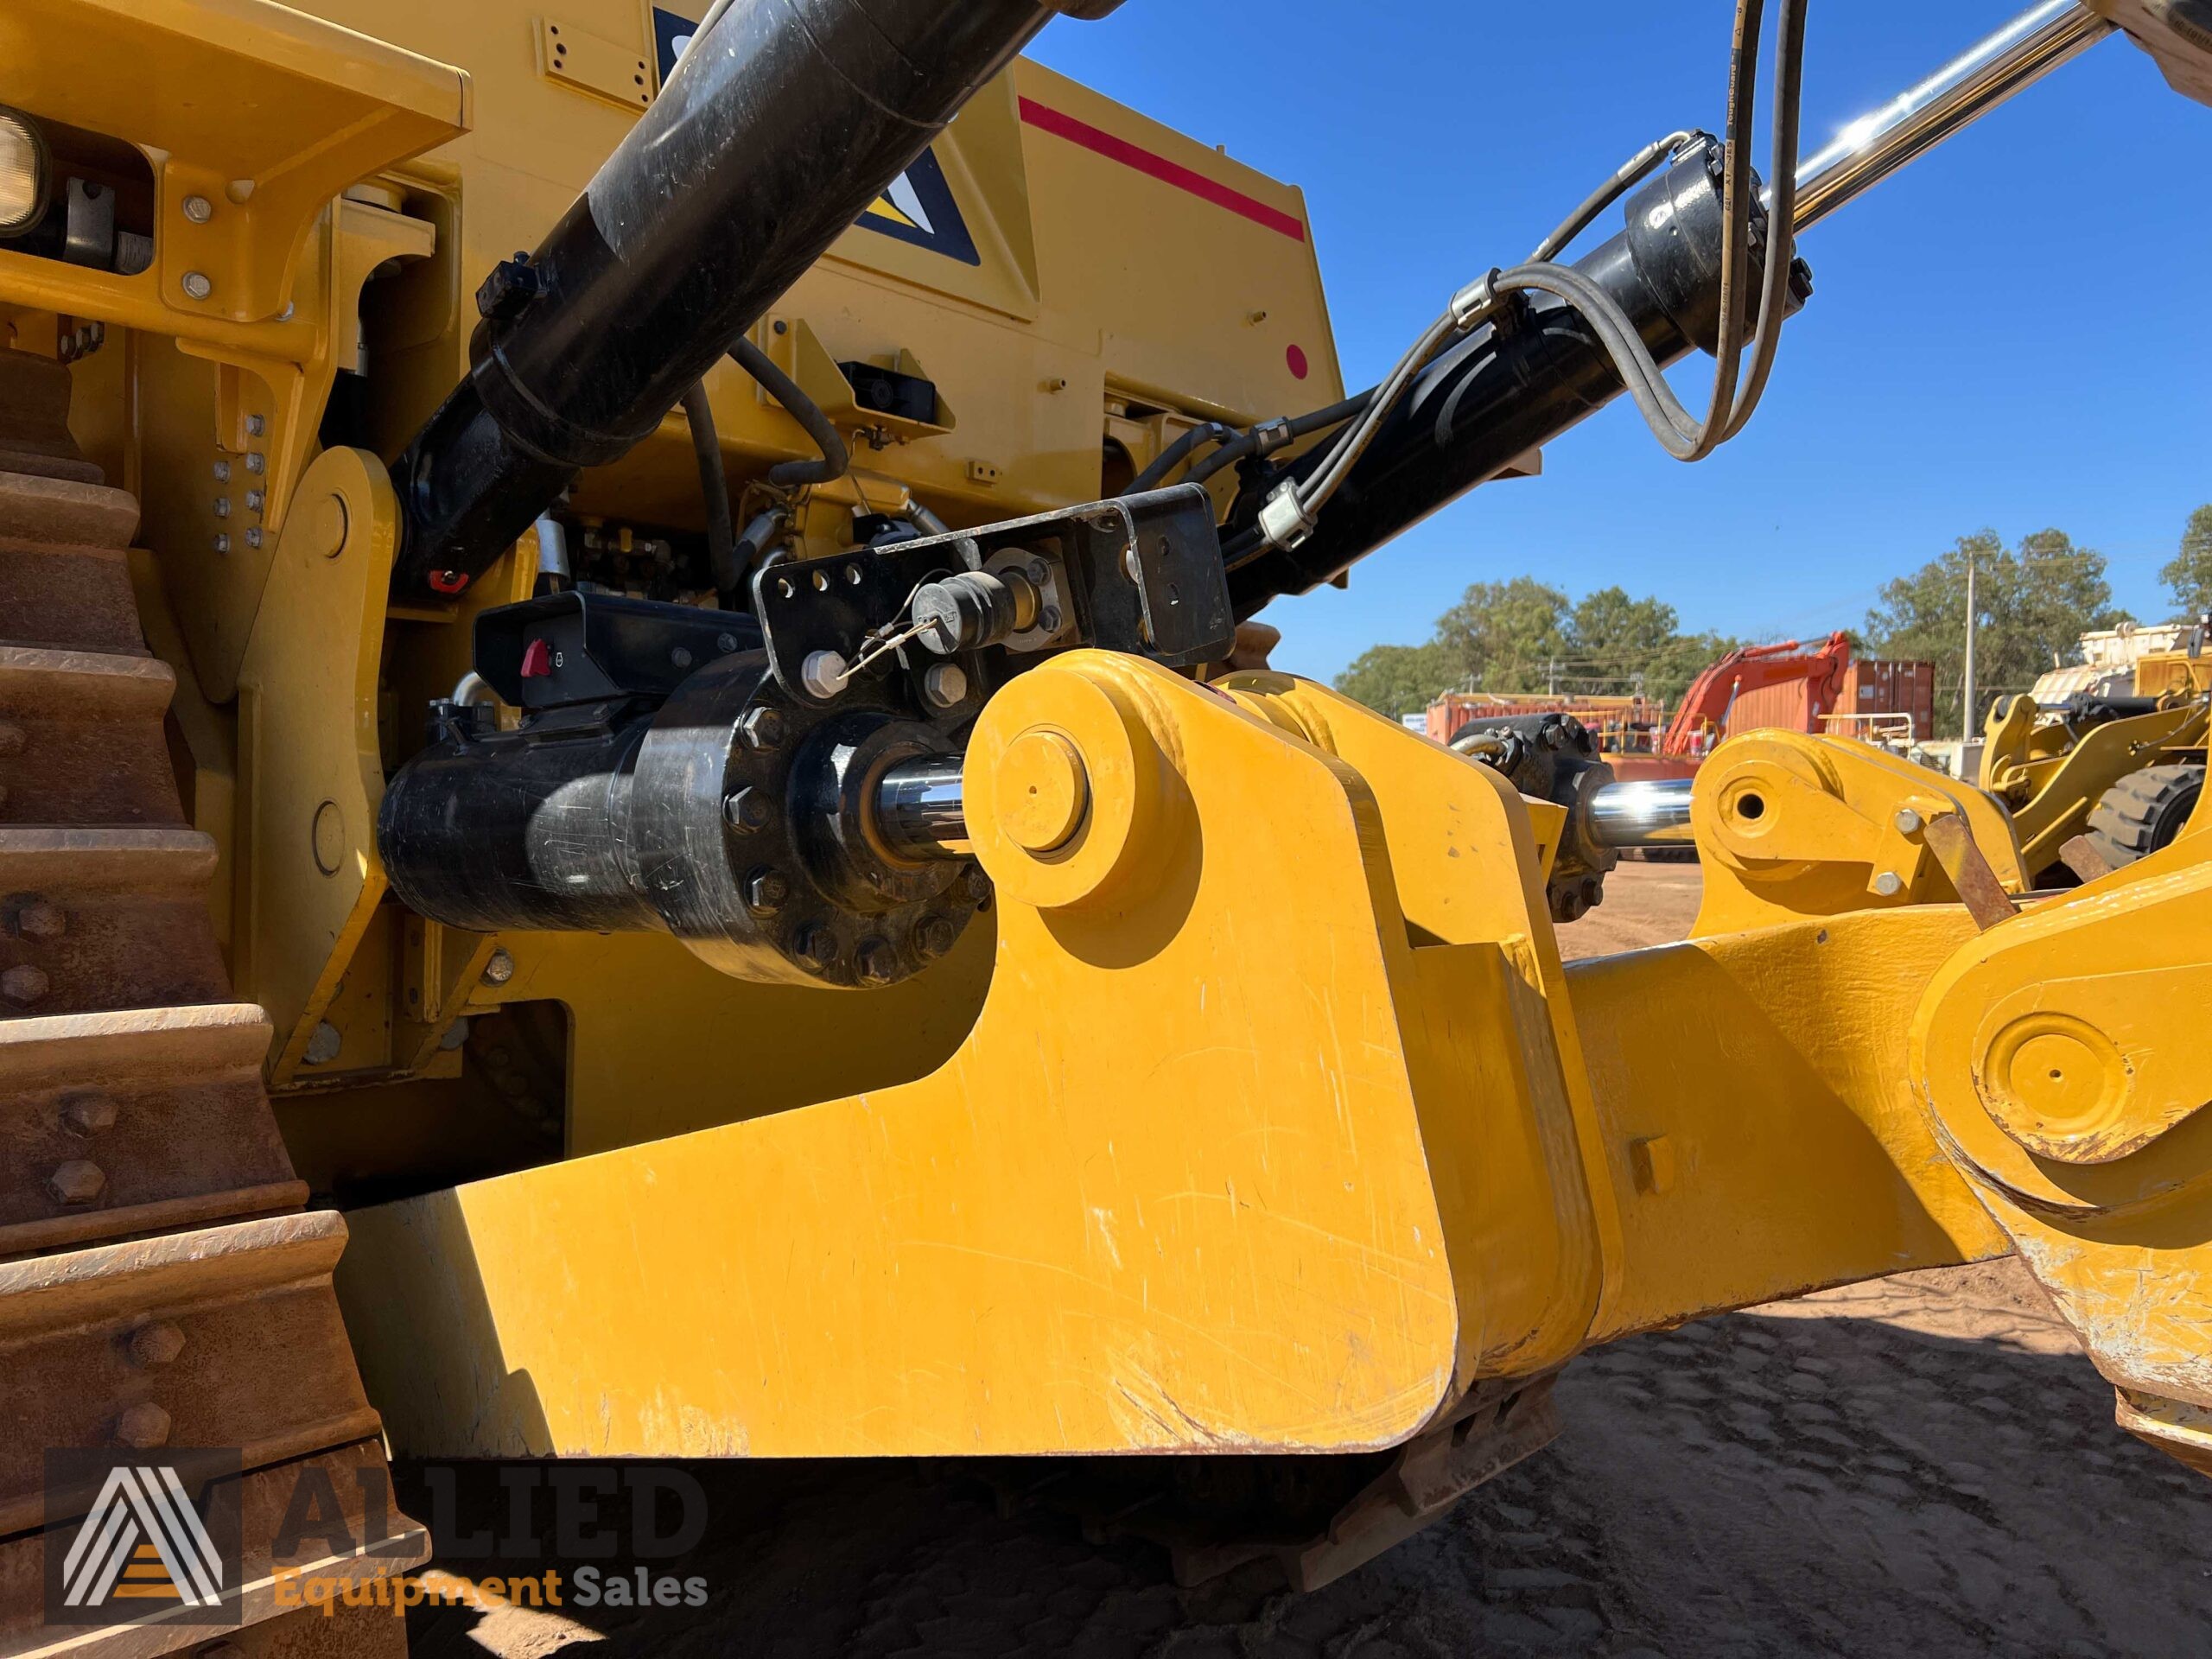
x=1144, y=574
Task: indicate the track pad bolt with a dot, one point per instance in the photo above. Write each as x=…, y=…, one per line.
x=88, y=1111
x=38, y=918
x=76, y=1182
x=24, y=985
x=142, y=1428
x=1043, y=790
x=156, y=1345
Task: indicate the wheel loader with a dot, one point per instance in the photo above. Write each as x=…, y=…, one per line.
x=643, y=817
x=2098, y=776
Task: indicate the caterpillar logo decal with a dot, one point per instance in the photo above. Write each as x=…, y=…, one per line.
x=918, y=208
x=142, y=1549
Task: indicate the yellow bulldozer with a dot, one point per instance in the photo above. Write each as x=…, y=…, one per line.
x=2103, y=763
x=641, y=816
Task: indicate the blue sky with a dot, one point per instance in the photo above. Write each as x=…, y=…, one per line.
x=2015, y=332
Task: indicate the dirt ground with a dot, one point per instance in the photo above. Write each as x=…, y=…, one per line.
x=1926, y=1466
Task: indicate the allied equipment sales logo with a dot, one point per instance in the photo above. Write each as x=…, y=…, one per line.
x=132, y=1538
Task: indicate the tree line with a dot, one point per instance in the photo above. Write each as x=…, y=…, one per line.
x=2033, y=599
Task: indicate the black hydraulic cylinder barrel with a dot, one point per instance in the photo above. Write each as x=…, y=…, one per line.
x=1521, y=381
x=787, y=119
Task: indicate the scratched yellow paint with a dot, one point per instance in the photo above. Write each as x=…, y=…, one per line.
x=1172, y=1192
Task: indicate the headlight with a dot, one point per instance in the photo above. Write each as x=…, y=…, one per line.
x=23, y=172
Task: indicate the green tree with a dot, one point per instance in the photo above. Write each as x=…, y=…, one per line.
x=1397, y=680
x=1506, y=636
x=2190, y=576
x=2032, y=602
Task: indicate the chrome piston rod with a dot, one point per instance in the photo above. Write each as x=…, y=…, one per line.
x=921, y=814
x=1964, y=90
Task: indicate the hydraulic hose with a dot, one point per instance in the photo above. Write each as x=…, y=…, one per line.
x=714, y=490
x=789, y=474
x=1168, y=458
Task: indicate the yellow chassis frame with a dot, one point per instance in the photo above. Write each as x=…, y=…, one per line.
x=1282, y=1126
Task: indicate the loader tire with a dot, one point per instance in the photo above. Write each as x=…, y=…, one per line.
x=161, y=1284
x=2144, y=811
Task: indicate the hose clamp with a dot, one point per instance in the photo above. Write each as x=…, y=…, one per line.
x=1285, y=522
x=1476, y=301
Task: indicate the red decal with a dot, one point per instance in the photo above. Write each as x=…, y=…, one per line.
x=1063, y=126
x=536, y=660
x=1296, y=358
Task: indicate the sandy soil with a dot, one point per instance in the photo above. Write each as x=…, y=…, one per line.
x=1924, y=1466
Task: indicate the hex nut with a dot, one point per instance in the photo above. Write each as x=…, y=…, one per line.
x=156, y=1345
x=199, y=209
x=24, y=985
x=1888, y=884
x=746, y=810
x=41, y=919
x=762, y=728
x=1909, y=821
x=143, y=1426
x=88, y=1111
x=76, y=1182
x=766, y=891
x=499, y=968
x=877, y=963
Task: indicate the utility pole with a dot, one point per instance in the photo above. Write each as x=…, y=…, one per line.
x=1965, y=724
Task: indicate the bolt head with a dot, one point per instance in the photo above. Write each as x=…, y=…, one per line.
x=222, y=507
x=24, y=985
x=254, y=426
x=1909, y=822
x=746, y=811
x=1888, y=884
x=877, y=962
x=935, y=937
x=155, y=1345
x=324, y=1045
x=1048, y=620
x=196, y=285
x=89, y=1111
x=767, y=892
x=823, y=674
x=978, y=884
x=222, y=543
x=726, y=643
x=255, y=462
x=77, y=1181
x=253, y=537
x=945, y=685
x=222, y=471
x=814, y=947
x=40, y=919
x=762, y=728
x=199, y=209
x=500, y=969
x=456, y=1034
x=143, y=1426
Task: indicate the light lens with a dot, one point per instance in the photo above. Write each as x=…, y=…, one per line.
x=23, y=172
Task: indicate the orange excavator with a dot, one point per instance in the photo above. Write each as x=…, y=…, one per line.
x=1788, y=684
